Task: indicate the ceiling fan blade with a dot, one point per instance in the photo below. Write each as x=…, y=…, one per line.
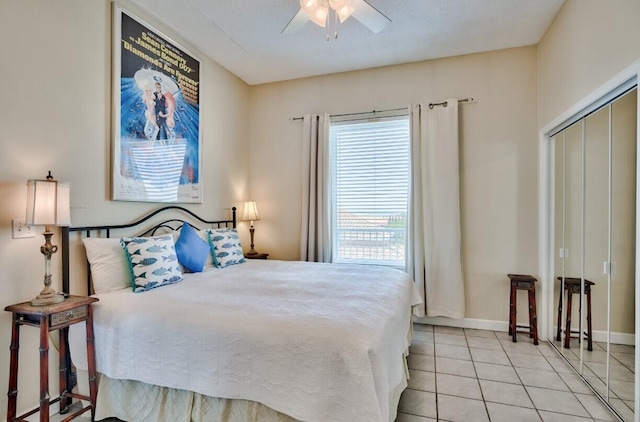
x=369, y=16
x=296, y=23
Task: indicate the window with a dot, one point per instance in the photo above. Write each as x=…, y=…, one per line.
x=370, y=185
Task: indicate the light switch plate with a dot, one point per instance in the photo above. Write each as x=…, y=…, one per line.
x=21, y=229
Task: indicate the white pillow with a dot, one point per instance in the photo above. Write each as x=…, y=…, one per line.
x=109, y=265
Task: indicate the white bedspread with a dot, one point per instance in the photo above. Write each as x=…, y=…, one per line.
x=318, y=342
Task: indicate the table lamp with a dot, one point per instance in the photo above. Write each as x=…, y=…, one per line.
x=251, y=214
x=47, y=205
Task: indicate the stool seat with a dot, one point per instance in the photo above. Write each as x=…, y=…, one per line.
x=528, y=283
x=572, y=286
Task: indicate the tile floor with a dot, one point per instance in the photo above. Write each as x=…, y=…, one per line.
x=621, y=372
x=474, y=375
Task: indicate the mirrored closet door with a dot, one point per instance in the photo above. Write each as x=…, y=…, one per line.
x=594, y=249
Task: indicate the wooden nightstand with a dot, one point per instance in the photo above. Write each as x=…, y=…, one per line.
x=257, y=256
x=60, y=316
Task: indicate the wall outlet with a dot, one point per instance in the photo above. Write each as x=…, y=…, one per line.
x=21, y=229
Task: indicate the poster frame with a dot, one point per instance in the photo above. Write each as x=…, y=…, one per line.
x=143, y=145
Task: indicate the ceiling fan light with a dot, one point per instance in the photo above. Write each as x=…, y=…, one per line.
x=316, y=12
x=345, y=12
x=320, y=16
x=339, y=4
x=311, y=5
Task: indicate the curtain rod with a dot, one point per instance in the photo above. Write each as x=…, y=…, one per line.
x=431, y=105
x=444, y=103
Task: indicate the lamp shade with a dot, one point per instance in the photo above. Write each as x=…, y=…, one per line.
x=48, y=203
x=250, y=212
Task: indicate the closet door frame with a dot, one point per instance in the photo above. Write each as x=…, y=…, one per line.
x=622, y=82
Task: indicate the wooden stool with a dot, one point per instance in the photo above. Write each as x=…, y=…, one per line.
x=49, y=318
x=572, y=286
x=528, y=283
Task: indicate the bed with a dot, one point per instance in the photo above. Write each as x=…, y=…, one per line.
x=255, y=340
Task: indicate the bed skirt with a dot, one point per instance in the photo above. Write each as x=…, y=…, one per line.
x=134, y=401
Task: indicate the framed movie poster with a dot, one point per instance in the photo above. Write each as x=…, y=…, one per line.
x=156, y=133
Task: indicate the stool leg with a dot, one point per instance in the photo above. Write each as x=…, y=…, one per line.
x=530, y=314
x=44, y=369
x=559, y=331
x=510, y=311
x=589, y=338
x=63, y=369
x=533, y=318
x=91, y=362
x=13, y=369
x=567, y=330
x=513, y=314
x=580, y=326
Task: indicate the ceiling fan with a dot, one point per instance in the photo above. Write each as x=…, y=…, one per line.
x=319, y=11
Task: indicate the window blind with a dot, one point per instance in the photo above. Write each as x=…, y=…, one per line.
x=370, y=175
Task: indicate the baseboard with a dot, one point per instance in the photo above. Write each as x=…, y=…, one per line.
x=478, y=324
x=503, y=326
x=616, y=338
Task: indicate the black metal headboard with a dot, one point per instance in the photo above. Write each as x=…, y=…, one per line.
x=172, y=224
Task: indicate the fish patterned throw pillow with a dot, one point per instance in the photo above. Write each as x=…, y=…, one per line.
x=153, y=261
x=226, y=247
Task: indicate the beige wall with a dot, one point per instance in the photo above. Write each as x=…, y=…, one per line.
x=589, y=42
x=498, y=157
x=55, y=108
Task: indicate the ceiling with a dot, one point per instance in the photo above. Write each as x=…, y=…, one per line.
x=245, y=36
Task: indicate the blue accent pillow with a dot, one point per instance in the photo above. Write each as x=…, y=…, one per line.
x=152, y=261
x=191, y=249
x=226, y=247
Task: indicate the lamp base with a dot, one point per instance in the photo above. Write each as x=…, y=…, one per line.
x=252, y=252
x=47, y=299
x=47, y=296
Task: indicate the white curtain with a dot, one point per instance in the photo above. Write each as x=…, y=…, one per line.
x=315, y=241
x=434, y=245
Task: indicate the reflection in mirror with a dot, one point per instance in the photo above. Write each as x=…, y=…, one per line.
x=594, y=241
x=568, y=234
x=623, y=228
x=597, y=240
